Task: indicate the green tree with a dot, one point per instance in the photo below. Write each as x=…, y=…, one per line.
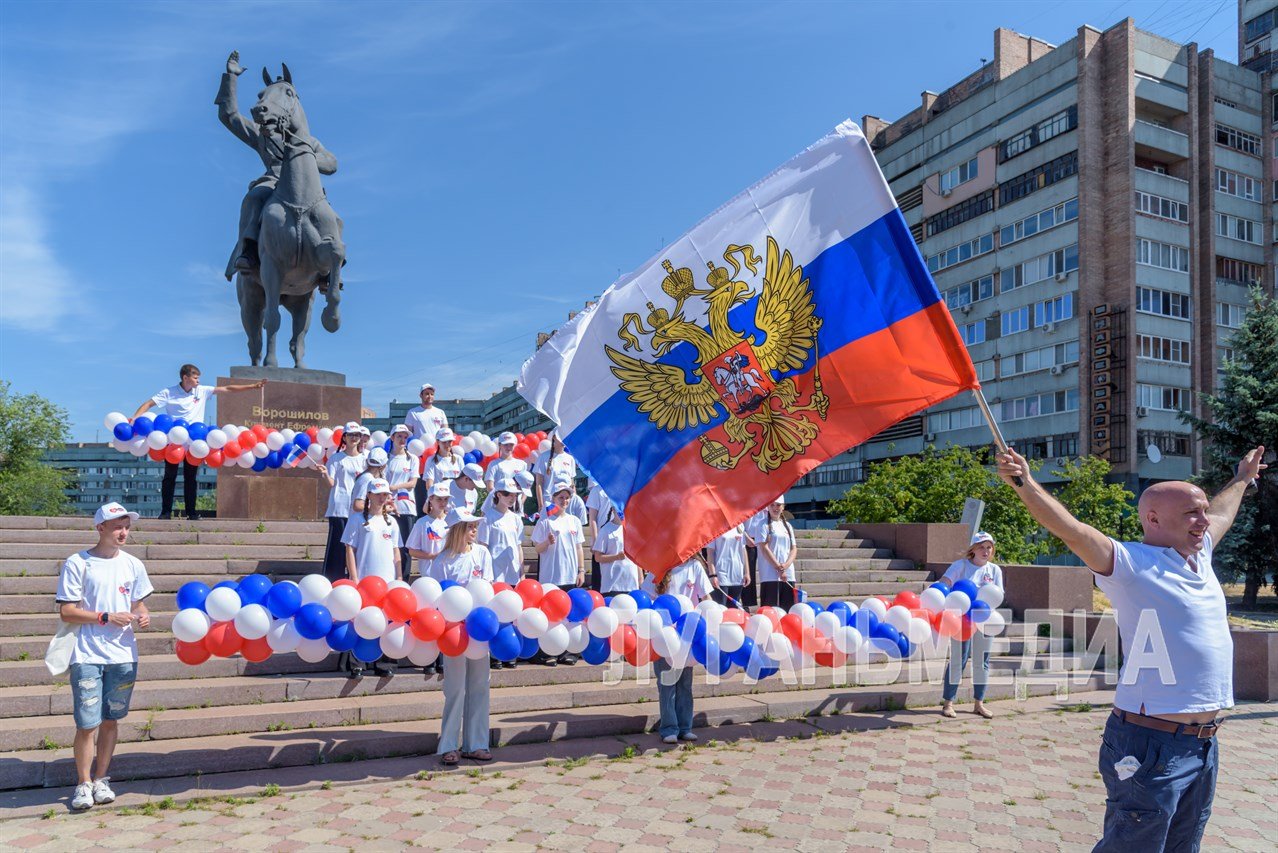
x=31, y=426
x=1109, y=507
x=1241, y=415
x=931, y=487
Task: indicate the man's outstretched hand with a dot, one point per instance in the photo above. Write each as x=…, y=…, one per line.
x=1250, y=466
x=1012, y=465
x=233, y=64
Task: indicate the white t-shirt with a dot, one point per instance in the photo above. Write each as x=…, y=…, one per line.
x=375, y=544
x=440, y=468
x=965, y=569
x=502, y=534
x=618, y=575
x=462, y=497
x=1178, y=656
x=425, y=423
x=577, y=508
x=776, y=535
x=359, y=491
x=562, y=467
x=177, y=402
x=401, y=469
x=343, y=469
x=112, y=585
x=598, y=501
x=464, y=568
x=686, y=579
x=561, y=561
x=757, y=525
x=728, y=553
x=500, y=469
x=420, y=539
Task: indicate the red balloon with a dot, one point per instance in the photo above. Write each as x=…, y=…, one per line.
x=400, y=604
x=337, y=437
x=949, y=624
x=501, y=586
x=597, y=599
x=312, y=433
x=624, y=640
x=247, y=440
x=156, y=455
x=372, y=590
x=521, y=451
x=260, y=431
x=191, y=654
x=792, y=628
x=530, y=591
x=735, y=616
x=214, y=459
x=174, y=453
x=906, y=599
x=810, y=642
x=427, y=624
x=830, y=658
x=344, y=582
x=223, y=640
x=256, y=651
x=556, y=605
x=454, y=640
x=642, y=653
x=966, y=628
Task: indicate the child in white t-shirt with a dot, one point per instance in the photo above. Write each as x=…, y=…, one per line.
x=372, y=550
x=617, y=573
x=426, y=539
x=977, y=567
x=502, y=533
x=674, y=687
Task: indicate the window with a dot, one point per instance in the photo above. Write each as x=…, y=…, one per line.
x=960, y=213
x=960, y=174
x=1162, y=302
x=1162, y=255
x=1238, y=272
x=1238, y=140
x=1038, y=269
x=1039, y=404
x=955, y=419
x=984, y=370
x=1259, y=26
x=1062, y=122
x=1170, y=350
x=1237, y=228
x=1016, y=321
x=1039, y=359
x=1054, y=310
x=972, y=333
x=946, y=258
x=969, y=292
x=1035, y=179
x=1230, y=316
x=1151, y=166
x=910, y=199
x=1163, y=208
x=1162, y=397
x=1237, y=184
x=1225, y=102
x=1036, y=222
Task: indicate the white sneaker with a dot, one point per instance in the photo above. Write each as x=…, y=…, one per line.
x=102, y=792
x=670, y=739
x=687, y=736
x=83, y=798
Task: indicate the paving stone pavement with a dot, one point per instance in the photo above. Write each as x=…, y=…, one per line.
x=1024, y=781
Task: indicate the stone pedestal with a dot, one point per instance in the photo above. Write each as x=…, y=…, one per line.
x=292, y=399
x=1063, y=588
x=1255, y=665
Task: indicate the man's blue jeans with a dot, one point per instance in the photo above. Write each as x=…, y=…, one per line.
x=1164, y=804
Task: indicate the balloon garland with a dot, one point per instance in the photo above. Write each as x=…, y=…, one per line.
x=256, y=618
x=163, y=438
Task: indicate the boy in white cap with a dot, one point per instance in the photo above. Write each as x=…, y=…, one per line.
x=558, y=538
x=375, y=469
x=465, y=486
x=102, y=591
x=446, y=462
x=504, y=466
x=426, y=420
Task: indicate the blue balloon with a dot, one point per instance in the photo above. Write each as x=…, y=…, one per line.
x=273, y=459
x=123, y=431
x=198, y=431
x=691, y=626
x=966, y=587
x=388, y=445
x=302, y=440
x=368, y=651
x=843, y=611
x=163, y=423
x=232, y=584
x=864, y=621
x=943, y=587
x=582, y=604
x=705, y=650
x=283, y=599
x=505, y=644
x=596, y=651
x=142, y=426
x=883, y=636
x=903, y=643
x=742, y=656
x=642, y=599
x=528, y=647
x=815, y=605
x=670, y=604
x=253, y=589
x=286, y=450
x=313, y=621
x=443, y=585
x=482, y=624
x=342, y=637
x=259, y=465
x=192, y=594
x=980, y=611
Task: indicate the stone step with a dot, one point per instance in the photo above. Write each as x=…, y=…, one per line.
x=839, y=591
x=842, y=547
x=33, y=552
x=828, y=533
x=888, y=579
x=72, y=541
x=46, y=624
x=35, y=603
x=204, y=525
x=188, y=569
x=166, y=667
x=855, y=564
x=14, y=648
x=221, y=753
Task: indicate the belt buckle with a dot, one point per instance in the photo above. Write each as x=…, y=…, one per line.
x=1208, y=730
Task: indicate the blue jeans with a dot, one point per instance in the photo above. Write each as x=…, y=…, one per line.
x=674, y=698
x=1165, y=803
x=101, y=691
x=960, y=651
x=465, y=719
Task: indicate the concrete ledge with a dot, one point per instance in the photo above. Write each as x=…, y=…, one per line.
x=1255, y=665
x=922, y=543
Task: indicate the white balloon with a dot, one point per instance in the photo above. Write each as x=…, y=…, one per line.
x=625, y=608
x=548, y=587
x=397, y=584
x=313, y=651
x=898, y=617
x=252, y=622
x=932, y=600
x=424, y=653
x=216, y=439
x=344, y=602
x=288, y=435
x=427, y=591
x=315, y=588
x=116, y=444
x=919, y=631
x=247, y=458
x=467, y=444
x=991, y=594
x=190, y=625
x=370, y=622
x=532, y=457
x=532, y=623
x=179, y=435
x=827, y=623
x=758, y=628
x=603, y=622
x=731, y=637
x=578, y=638
x=416, y=447
x=481, y=591
x=137, y=446
x=283, y=636
x=198, y=449
x=875, y=606
x=685, y=603
x=648, y=623
x=222, y=604
x=664, y=641
x=555, y=641
x=377, y=439
x=507, y=605
x=958, y=602
x=543, y=446
x=779, y=646
x=455, y=603
x=113, y=419
x=157, y=440
x=489, y=447
x=805, y=613
x=993, y=626
x=847, y=640
x=475, y=650
x=260, y=450
x=315, y=453
x=324, y=437
x=398, y=641
x=274, y=441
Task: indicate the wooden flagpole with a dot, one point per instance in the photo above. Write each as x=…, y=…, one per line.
x=989, y=419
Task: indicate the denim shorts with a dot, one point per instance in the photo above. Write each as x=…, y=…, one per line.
x=101, y=691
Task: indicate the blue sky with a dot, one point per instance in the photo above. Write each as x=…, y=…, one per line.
x=499, y=163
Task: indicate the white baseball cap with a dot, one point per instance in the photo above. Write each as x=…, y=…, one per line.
x=507, y=438
x=379, y=487
x=560, y=485
x=507, y=485
x=351, y=426
x=474, y=471
x=400, y=428
x=442, y=489
x=459, y=515
x=445, y=434
x=525, y=480
x=377, y=456
x=426, y=385
x=780, y=499
x=981, y=536
x=110, y=512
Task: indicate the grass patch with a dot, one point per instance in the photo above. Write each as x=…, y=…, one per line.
x=1009, y=802
x=1078, y=708
x=758, y=830
x=48, y=814
x=328, y=783
x=167, y=803
x=47, y=742
x=271, y=790
x=628, y=753
x=424, y=776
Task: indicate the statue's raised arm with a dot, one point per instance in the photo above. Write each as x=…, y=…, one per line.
x=228, y=110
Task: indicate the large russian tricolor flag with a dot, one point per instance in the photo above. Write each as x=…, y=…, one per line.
x=793, y=323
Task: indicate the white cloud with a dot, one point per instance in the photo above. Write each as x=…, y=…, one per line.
x=35, y=288
x=203, y=306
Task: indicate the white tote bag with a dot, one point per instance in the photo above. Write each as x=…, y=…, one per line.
x=58, y=656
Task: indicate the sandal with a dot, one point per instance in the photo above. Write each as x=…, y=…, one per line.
x=478, y=755
x=947, y=710
x=450, y=758
x=984, y=712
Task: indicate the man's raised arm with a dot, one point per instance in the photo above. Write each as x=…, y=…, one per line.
x=1224, y=506
x=228, y=110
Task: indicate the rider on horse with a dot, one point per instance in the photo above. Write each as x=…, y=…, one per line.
x=244, y=257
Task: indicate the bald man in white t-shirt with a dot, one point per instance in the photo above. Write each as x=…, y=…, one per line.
x=1158, y=757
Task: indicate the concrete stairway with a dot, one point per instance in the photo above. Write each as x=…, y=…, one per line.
x=229, y=714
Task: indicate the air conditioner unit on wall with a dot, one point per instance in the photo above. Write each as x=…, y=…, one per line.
x=1141, y=411
x=1060, y=460
x=1049, y=327
x=1062, y=275
x=929, y=437
x=945, y=193
x=966, y=309
x=1057, y=369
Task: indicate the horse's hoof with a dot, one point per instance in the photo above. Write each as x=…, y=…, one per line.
x=331, y=319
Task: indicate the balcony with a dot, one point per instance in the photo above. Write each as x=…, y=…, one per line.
x=1162, y=94
x=1156, y=138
